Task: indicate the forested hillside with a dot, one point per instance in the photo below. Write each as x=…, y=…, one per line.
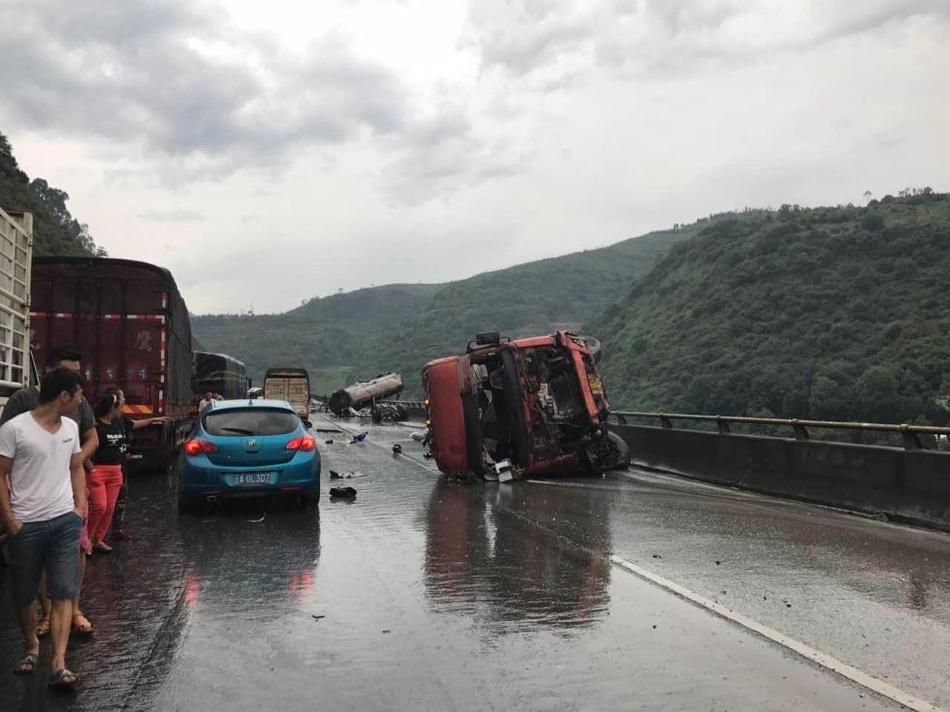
x=836, y=313
x=332, y=337
x=400, y=327
x=55, y=231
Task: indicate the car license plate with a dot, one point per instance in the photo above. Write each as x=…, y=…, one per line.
x=244, y=479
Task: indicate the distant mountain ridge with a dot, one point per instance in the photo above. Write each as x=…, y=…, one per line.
x=831, y=313
x=399, y=327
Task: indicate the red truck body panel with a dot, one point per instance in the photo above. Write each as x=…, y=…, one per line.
x=130, y=323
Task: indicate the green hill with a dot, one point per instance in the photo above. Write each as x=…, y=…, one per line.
x=55, y=231
x=331, y=337
x=831, y=313
x=400, y=327
x=533, y=298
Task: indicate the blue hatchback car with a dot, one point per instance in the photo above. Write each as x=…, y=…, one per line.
x=245, y=448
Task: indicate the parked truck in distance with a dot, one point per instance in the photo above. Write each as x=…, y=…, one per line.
x=132, y=326
x=291, y=385
x=16, y=253
x=363, y=393
x=219, y=373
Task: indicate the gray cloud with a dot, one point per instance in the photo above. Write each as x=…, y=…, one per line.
x=172, y=216
x=657, y=37
x=182, y=85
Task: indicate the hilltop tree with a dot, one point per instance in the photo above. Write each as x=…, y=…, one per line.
x=55, y=230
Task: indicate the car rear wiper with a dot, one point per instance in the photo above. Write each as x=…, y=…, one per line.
x=242, y=431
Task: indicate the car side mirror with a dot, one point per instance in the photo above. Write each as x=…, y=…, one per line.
x=186, y=428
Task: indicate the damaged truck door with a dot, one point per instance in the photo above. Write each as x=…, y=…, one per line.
x=532, y=406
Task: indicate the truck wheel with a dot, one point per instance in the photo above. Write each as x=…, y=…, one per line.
x=610, y=452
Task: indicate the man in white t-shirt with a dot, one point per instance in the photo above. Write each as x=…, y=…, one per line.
x=42, y=497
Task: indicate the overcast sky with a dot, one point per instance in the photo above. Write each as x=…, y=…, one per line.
x=267, y=153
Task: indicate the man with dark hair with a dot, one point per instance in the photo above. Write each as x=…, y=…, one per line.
x=42, y=500
x=25, y=400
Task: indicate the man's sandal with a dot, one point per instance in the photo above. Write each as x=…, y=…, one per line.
x=63, y=679
x=27, y=664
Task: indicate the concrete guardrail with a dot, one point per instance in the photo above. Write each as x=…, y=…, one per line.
x=908, y=484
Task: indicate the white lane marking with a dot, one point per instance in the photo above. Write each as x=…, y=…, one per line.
x=816, y=656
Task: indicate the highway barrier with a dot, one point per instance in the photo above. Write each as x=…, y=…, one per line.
x=910, y=483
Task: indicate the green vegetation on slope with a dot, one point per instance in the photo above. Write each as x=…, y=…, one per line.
x=400, y=327
x=55, y=231
x=332, y=337
x=533, y=298
x=831, y=313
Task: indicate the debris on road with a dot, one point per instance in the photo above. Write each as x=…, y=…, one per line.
x=657, y=556
x=334, y=475
x=328, y=441
x=397, y=449
x=342, y=493
x=358, y=438
x=420, y=435
x=317, y=617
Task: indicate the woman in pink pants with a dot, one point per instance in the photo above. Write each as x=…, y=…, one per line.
x=105, y=480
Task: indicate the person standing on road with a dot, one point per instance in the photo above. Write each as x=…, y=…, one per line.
x=207, y=400
x=106, y=480
x=42, y=498
x=25, y=400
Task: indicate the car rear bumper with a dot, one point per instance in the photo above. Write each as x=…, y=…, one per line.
x=295, y=477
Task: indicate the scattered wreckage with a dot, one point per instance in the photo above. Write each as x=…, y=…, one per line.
x=531, y=406
x=349, y=400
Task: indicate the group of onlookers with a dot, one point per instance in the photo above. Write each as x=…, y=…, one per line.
x=61, y=486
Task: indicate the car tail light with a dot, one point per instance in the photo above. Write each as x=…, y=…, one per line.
x=196, y=447
x=305, y=443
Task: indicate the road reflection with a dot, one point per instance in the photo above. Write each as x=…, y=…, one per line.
x=518, y=556
x=250, y=560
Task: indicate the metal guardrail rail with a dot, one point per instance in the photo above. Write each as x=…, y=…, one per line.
x=910, y=433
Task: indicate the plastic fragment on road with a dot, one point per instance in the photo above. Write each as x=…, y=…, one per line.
x=342, y=493
x=358, y=438
x=503, y=470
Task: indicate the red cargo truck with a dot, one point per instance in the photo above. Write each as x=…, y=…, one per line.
x=132, y=326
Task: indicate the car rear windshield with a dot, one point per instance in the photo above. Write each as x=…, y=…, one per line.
x=251, y=421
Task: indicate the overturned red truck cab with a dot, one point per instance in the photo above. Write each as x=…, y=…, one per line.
x=527, y=406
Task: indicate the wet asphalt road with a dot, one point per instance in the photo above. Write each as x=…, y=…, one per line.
x=438, y=596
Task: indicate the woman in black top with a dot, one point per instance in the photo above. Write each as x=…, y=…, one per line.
x=105, y=481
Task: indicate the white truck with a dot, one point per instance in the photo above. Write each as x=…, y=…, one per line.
x=16, y=254
x=291, y=385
